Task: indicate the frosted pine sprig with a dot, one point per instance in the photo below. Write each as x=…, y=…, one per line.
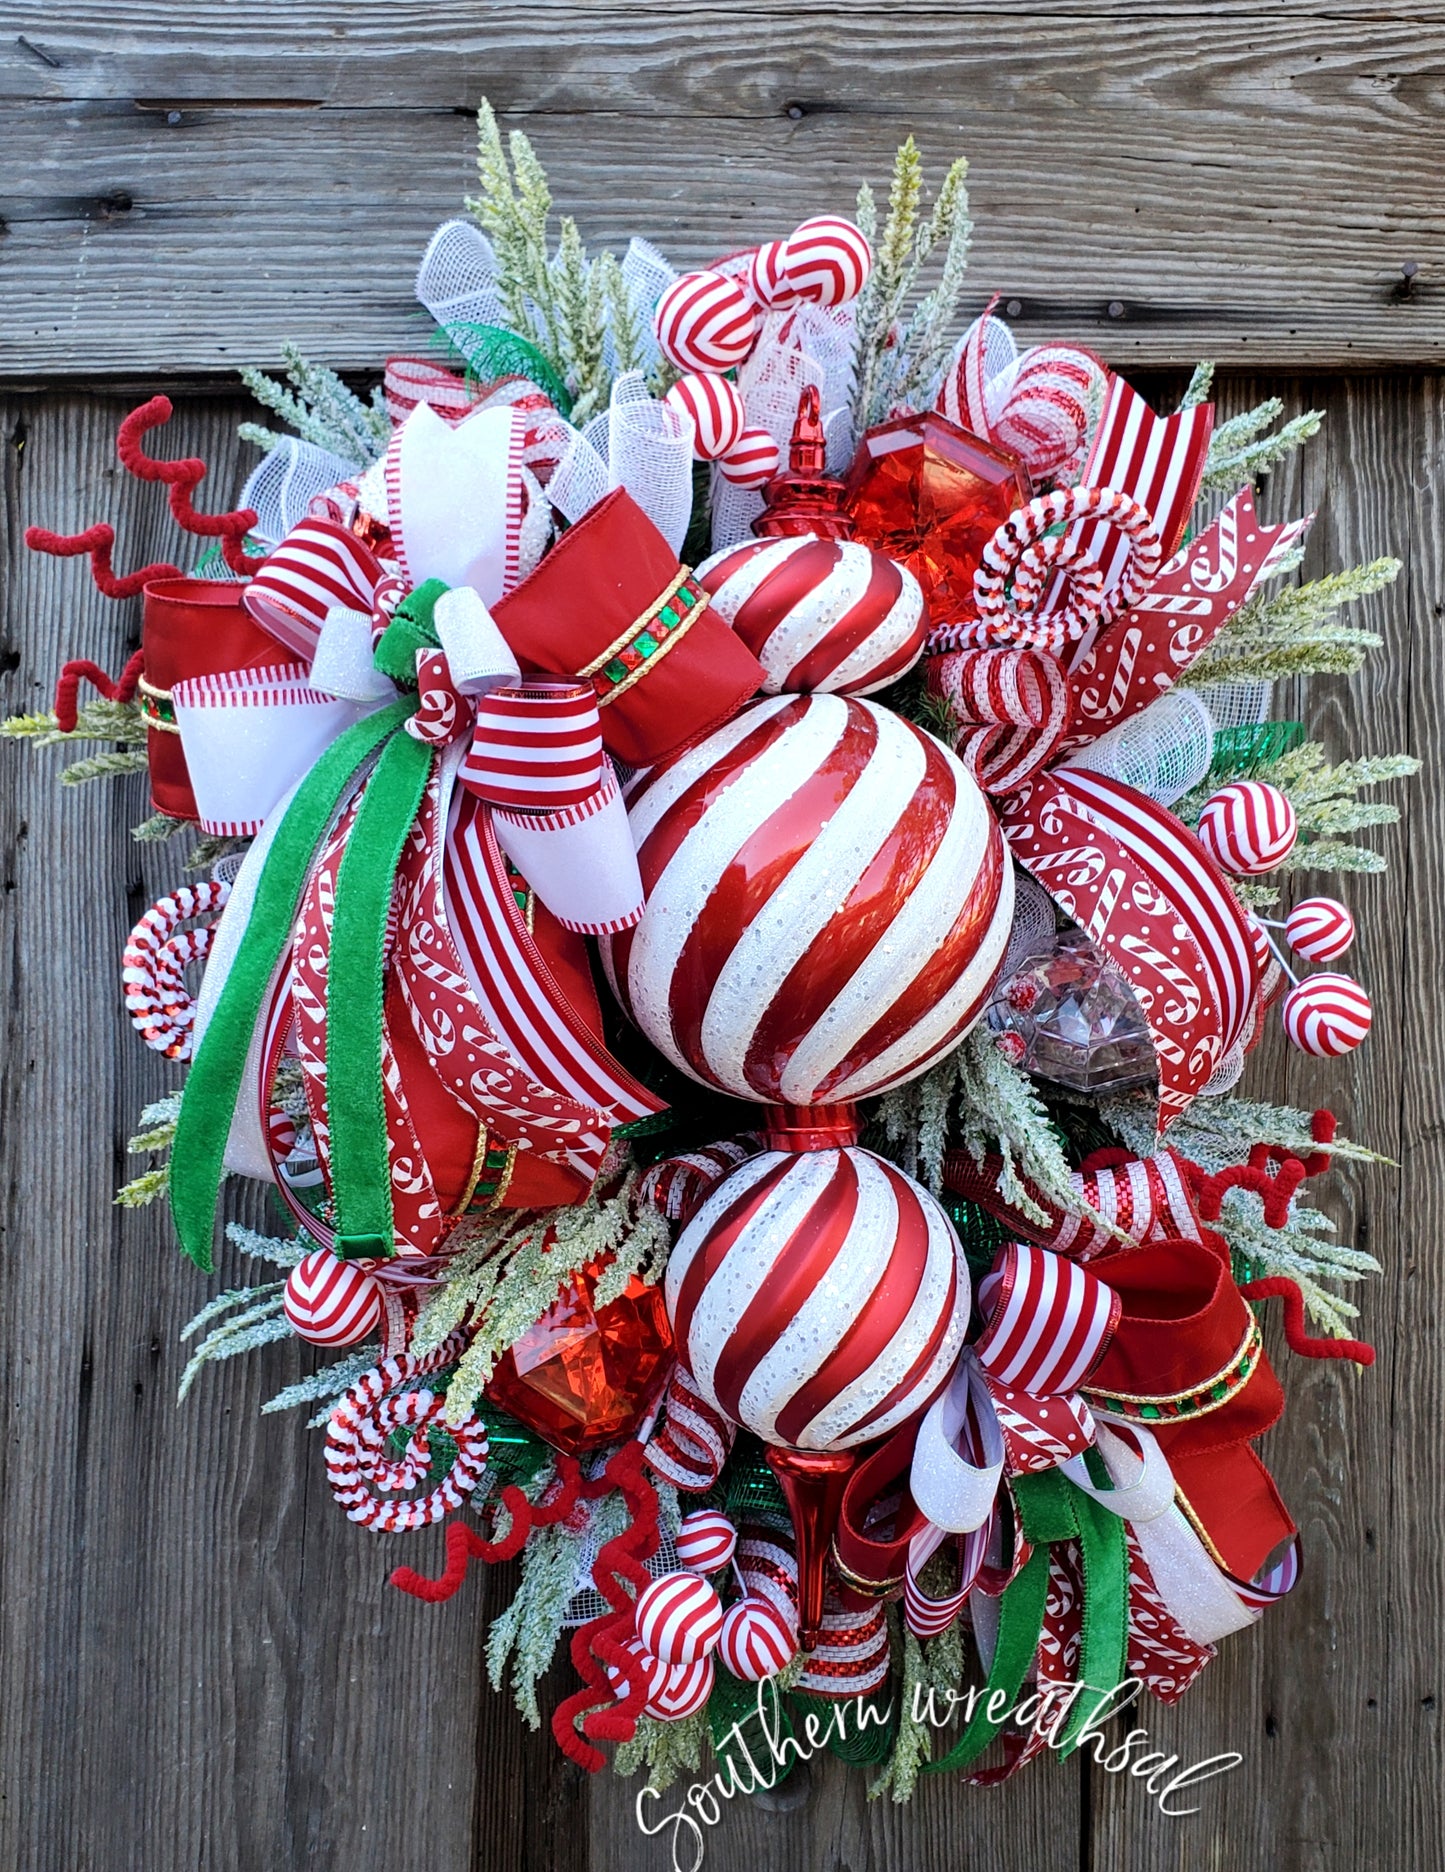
x=1239, y=449
x=259, y=1321
x=927, y=340
x=320, y=408
x=668, y=1750
x=1218, y=1132
x=97, y=720
x=1293, y=633
x=325, y=1385
x=936, y=1664
x=887, y=287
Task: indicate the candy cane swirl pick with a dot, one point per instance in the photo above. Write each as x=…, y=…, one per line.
x=1326, y=1015
x=1320, y=929
x=1020, y=563
x=153, y=968
x=360, y=1468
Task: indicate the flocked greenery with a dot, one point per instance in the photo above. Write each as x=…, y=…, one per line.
x=1293, y=632
x=320, y=408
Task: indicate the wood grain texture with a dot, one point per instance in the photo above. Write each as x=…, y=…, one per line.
x=1238, y=181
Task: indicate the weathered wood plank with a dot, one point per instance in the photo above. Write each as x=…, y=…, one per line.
x=1331, y=1699
x=1238, y=182
x=201, y=1663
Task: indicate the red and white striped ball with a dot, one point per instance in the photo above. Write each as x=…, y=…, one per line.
x=679, y=1618
x=818, y=1298
x=706, y=1541
x=1320, y=929
x=706, y=322
x=673, y=1690
x=683, y=1692
x=819, y=614
x=1326, y=1015
x=330, y=1301
x=765, y=278
x=752, y=461
x=756, y=1642
x=1259, y=942
x=828, y=903
x=1248, y=827
x=715, y=408
x=826, y=260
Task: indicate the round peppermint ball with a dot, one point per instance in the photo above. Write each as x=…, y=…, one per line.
x=715, y=408
x=1248, y=827
x=706, y=322
x=1320, y=929
x=706, y=1541
x=756, y=1641
x=1327, y=1015
x=331, y=1302
x=678, y=1618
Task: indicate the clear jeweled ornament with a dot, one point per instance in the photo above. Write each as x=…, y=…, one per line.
x=1069, y=1016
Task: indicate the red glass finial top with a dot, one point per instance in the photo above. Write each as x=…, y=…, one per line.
x=803, y=499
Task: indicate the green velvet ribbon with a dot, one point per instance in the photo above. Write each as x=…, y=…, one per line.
x=360, y=1170
x=1053, y=1509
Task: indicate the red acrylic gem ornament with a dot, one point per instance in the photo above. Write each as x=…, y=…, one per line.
x=582, y=1377
x=931, y=496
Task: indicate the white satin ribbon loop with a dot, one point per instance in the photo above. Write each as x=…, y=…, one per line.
x=478, y=655
x=955, y=1493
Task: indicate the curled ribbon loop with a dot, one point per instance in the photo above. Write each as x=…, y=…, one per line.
x=1028, y=564
x=1012, y=707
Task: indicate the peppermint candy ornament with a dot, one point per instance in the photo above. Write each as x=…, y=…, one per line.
x=1249, y=827
x=1326, y=1015
x=828, y=903
x=706, y=1541
x=756, y=1641
x=1320, y=929
x=329, y=1301
x=706, y=322
x=752, y=461
x=765, y=278
x=819, y=614
x=678, y=1618
x=153, y=968
x=673, y=1690
x=819, y=1299
x=826, y=260
x=715, y=409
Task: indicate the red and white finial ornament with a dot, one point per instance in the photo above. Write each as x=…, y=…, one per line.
x=1249, y=827
x=1326, y=1015
x=1320, y=929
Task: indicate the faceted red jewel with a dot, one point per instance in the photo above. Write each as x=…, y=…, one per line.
x=581, y=1378
x=930, y=495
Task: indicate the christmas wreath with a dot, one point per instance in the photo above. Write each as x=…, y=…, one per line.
x=737, y=829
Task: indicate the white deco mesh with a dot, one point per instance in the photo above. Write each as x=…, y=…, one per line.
x=586, y=1602
x=646, y=274
x=1237, y=704
x=637, y=443
x=1032, y=931
x=286, y=480
x=1163, y=751
x=1227, y=1073
x=457, y=278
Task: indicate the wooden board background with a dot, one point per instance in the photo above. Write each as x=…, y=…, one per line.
x=200, y=1664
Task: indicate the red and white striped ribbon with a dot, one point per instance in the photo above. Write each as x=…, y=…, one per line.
x=535, y=747
x=319, y=564
x=1012, y=707
x=677, y=1185
x=691, y=1444
x=1049, y=1320
x=1142, y=1200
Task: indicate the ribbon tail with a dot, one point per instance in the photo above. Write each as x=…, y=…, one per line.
x=1104, y=1549
x=214, y=1082
x=1021, y=1623
x=360, y=1162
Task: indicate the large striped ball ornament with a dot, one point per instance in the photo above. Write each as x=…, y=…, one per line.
x=1320, y=929
x=756, y=1642
x=752, y=461
x=706, y=322
x=331, y=1302
x=1248, y=827
x=818, y=1298
x=715, y=409
x=826, y=260
x=706, y=1541
x=819, y=614
x=828, y=902
x=1326, y=1015
x=678, y=1618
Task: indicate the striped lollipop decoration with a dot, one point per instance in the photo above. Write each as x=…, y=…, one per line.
x=331, y=1302
x=756, y=1641
x=1320, y=929
x=715, y=409
x=826, y=260
x=818, y=1299
x=752, y=461
x=1326, y=1015
x=706, y=322
x=827, y=903
x=679, y=1618
x=706, y=1541
x=819, y=614
x=1248, y=827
